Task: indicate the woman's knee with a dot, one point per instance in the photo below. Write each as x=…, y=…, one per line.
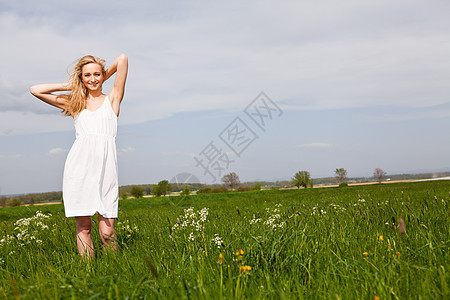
x=84, y=224
x=107, y=233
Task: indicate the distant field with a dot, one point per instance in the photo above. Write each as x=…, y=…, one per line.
x=337, y=243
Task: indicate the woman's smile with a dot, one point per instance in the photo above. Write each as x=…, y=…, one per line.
x=92, y=76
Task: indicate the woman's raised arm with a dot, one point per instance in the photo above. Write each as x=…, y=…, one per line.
x=120, y=67
x=44, y=93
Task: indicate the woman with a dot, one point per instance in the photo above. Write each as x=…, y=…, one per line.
x=90, y=184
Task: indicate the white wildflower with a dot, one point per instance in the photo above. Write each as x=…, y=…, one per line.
x=217, y=240
x=25, y=230
x=191, y=220
x=254, y=220
x=273, y=219
x=269, y=221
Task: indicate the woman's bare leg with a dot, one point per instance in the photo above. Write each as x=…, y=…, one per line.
x=84, y=241
x=107, y=233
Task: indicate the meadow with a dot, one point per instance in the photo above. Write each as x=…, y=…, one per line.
x=325, y=243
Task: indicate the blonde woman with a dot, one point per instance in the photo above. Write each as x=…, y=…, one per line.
x=90, y=184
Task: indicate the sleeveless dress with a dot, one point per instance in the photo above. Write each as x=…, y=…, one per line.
x=90, y=183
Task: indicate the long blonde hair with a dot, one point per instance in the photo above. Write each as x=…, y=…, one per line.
x=77, y=96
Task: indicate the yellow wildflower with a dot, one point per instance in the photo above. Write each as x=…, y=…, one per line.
x=365, y=253
x=237, y=252
x=220, y=260
x=381, y=238
x=241, y=252
x=398, y=254
x=244, y=269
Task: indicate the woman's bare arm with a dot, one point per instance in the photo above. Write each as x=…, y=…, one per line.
x=120, y=67
x=45, y=92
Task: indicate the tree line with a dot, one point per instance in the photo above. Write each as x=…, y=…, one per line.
x=34, y=198
x=230, y=182
x=303, y=178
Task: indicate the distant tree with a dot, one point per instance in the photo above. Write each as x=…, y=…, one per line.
x=163, y=188
x=3, y=201
x=137, y=191
x=219, y=189
x=257, y=187
x=231, y=180
x=340, y=175
x=244, y=188
x=185, y=191
x=13, y=202
x=379, y=174
x=301, y=178
x=124, y=194
x=156, y=191
x=205, y=190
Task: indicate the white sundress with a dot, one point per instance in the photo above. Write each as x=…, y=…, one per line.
x=90, y=183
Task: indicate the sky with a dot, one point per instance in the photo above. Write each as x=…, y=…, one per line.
x=260, y=88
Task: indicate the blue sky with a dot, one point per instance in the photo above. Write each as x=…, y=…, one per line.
x=361, y=85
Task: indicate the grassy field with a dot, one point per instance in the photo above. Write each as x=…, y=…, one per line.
x=330, y=243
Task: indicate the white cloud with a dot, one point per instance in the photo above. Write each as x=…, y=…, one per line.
x=177, y=153
x=316, y=145
x=193, y=56
x=432, y=114
x=17, y=122
x=127, y=149
x=56, y=151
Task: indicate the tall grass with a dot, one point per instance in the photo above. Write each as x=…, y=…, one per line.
x=316, y=243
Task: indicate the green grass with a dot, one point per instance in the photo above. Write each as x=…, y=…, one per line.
x=313, y=248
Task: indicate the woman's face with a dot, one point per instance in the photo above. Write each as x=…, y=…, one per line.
x=92, y=76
